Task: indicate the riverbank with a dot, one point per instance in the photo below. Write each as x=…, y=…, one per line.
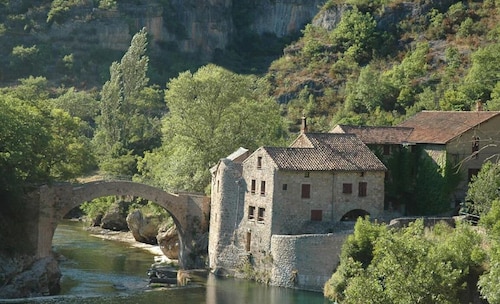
x=128, y=238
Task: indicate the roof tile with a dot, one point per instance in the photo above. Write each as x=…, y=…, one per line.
x=326, y=152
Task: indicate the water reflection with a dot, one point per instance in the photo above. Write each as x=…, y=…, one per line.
x=100, y=271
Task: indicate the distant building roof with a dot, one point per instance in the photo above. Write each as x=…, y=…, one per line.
x=325, y=152
x=236, y=155
x=376, y=135
x=439, y=127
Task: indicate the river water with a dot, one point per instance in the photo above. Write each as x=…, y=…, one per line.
x=102, y=271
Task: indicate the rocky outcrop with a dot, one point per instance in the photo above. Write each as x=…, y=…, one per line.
x=115, y=217
x=283, y=17
x=24, y=276
x=169, y=242
x=144, y=229
x=192, y=26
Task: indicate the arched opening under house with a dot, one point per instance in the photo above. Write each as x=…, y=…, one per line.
x=353, y=215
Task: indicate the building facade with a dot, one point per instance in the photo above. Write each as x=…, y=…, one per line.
x=292, y=195
x=463, y=140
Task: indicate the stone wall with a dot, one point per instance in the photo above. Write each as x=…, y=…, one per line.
x=226, y=212
x=305, y=261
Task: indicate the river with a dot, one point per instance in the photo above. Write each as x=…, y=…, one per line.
x=102, y=271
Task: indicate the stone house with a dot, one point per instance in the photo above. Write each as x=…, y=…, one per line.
x=383, y=141
x=296, y=198
x=463, y=139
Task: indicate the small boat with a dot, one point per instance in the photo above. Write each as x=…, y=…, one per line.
x=162, y=275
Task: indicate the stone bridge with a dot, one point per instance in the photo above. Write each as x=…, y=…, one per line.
x=190, y=212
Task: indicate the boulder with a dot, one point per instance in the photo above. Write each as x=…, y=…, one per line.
x=169, y=242
x=144, y=229
x=115, y=217
x=25, y=276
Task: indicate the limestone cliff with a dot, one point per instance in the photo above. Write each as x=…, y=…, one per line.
x=192, y=30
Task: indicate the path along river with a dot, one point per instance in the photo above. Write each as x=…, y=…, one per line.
x=95, y=270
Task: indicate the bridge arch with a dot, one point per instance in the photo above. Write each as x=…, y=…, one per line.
x=189, y=212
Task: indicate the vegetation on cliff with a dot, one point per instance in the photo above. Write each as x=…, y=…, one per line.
x=384, y=60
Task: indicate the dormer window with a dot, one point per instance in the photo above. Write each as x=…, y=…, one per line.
x=259, y=162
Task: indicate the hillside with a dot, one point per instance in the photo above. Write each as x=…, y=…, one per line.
x=352, y=61
x=74, y=42
x=373, y=62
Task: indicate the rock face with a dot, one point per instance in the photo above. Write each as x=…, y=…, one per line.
x=115, y=218
x=144, y=229
x=193, y=26
x=24, y=276
x=169, y=242
x=283, y=17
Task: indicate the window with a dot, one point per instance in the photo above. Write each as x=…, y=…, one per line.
x=306, y=174
x=251, y=212
x=262, y=188
x=259, y=162
x=347, y=188
x=317, y=215
x=306, y=191
x=285, y=187
x=475, y=146
x=218, y=182
x=362, y=189
x=252, y=189
x=260, y=217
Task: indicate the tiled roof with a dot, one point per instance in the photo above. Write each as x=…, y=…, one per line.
x=325, y=152
x=439, y=127
x=377, y=135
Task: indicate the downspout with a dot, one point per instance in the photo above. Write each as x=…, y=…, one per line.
x=333, y=193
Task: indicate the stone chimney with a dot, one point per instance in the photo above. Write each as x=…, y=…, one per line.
x=303, y=126
x=479, y=105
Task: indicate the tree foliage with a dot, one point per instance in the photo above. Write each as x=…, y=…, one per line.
x=39, y=142
x=128, y=123
x=211, y=113
x=490, y=280
x=484, y=188
x=408, y=265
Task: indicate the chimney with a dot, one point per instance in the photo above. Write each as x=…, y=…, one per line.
x=303, y=127
x=479, y=105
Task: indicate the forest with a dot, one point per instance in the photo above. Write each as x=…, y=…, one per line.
x=380, y=62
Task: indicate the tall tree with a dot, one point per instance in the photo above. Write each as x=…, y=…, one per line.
x=130, y=111
x=212, y=113
x=484, y=188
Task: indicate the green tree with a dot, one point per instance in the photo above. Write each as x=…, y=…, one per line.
x=490, y=280
x=39, y=142
x=129, y=112
x=369, y=92
x=355, y=34
x=212, y=113
x=410, y=265
x=406, y=76
x=484, y=188
x=484, y=73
